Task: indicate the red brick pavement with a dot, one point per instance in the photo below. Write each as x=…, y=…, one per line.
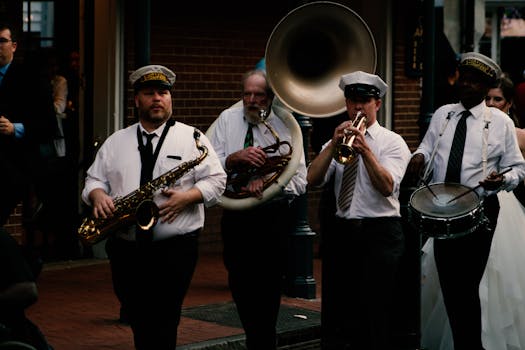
x=77, y=309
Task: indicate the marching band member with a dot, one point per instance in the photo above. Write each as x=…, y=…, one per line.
x=255, y=239
x=367, y=241
x=470, y=144
x=152, y=269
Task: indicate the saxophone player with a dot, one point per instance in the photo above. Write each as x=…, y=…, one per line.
x=152, y=268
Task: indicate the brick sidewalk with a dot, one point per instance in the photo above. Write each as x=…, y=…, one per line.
x=77, y=309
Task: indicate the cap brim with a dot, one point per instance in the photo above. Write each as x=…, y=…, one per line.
x=155, y=84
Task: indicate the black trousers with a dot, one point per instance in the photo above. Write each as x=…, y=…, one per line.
x=460, y=263
x=255, y=244
x=152, y=282
x=363, y=255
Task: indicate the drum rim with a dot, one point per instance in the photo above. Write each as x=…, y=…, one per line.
x=464, y=213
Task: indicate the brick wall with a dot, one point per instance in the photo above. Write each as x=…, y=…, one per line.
x=209, y=49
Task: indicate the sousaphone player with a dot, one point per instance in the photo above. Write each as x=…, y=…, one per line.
x=255, y=238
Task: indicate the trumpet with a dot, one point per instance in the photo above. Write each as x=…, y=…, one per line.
x=344, y=152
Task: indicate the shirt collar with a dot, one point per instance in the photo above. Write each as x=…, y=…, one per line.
x=157, y=131
x=476, y=111
x=3, y=69
x=373, y=130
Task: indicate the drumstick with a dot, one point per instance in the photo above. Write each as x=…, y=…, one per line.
x=476, y=187
x=428, y=187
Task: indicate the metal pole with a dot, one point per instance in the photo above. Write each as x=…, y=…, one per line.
x=299, y=280
x=142, y=30
x=427, y=98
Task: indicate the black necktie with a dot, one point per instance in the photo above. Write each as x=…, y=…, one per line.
x=456, y=151
x=146, y=173
x=248, y=140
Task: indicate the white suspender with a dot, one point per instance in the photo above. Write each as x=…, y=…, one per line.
x=485, y=137
x=428, y=169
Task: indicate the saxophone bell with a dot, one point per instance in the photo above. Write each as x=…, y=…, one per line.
x=147, y=214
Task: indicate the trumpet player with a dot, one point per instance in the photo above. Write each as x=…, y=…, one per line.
x=152, y=267
x=368, y=162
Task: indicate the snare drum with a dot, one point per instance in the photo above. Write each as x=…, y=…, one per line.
x=432, y=215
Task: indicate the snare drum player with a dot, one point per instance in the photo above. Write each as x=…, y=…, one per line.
x=367, y=242
x=471, y=157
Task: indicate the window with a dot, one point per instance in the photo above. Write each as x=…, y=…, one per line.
x=39, y=20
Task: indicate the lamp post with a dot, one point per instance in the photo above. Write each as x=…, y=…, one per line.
x=299, y=281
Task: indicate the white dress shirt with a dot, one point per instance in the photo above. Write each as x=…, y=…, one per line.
x=502, y=150
x=230, y=131
x=117, y=168
x=393, y=154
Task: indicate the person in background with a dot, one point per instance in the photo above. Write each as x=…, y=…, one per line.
x=255, y=239
x=53, y=233
x=18, y=291
x=519, y=99
x=23, y=127
x=501, y=96
x=489, y=147
x=152, y=267
x=367, y=239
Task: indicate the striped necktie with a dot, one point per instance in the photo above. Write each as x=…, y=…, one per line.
x=346, y=192
x=455, y=158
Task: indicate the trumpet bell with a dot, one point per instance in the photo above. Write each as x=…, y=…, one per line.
x=344, y=154
x=308, y=52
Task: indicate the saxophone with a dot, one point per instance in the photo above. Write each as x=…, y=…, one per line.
x=138, y=206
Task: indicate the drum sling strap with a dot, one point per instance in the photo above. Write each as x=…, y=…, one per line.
x=428, y=169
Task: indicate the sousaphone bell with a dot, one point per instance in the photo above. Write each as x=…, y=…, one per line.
x=308, y=52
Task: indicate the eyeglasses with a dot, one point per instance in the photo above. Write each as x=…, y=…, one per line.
x=4, y=40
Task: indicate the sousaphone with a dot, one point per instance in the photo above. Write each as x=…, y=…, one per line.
x=309, y=50
x=306, y=54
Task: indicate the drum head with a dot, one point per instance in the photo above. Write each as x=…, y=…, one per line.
x=423, y=201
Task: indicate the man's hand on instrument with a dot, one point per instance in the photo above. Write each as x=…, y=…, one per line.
x=251, y=156
x=415, y=168
x=359, y=143
x=255, y=187
x=177, y=201
x=493, y=181
x=341, y=131
x=103, y=206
